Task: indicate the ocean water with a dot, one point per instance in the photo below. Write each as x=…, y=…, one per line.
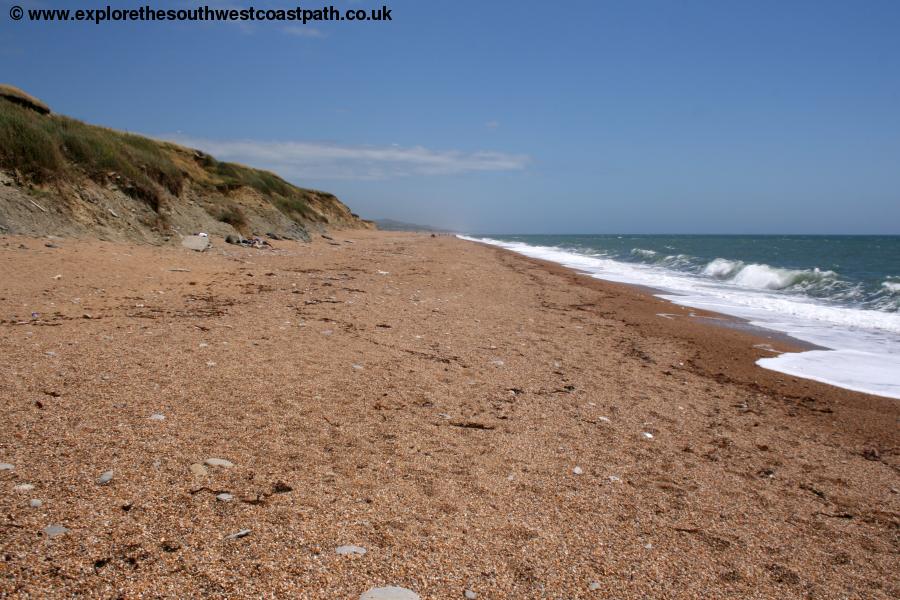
x=840, y=293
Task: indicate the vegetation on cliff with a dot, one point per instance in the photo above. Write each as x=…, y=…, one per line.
x=52, y=151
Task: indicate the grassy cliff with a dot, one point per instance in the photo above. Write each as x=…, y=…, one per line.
x=62, y=162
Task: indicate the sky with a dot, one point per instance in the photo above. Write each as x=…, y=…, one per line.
x=515, y=116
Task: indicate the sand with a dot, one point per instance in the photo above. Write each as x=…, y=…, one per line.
x=472, y=419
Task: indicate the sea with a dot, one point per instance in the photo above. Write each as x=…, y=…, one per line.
x=840, y=294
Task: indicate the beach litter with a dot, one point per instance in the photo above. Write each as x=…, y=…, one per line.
x=648, y=435
x=23, y=487
x=348, y=550
x=105, y=477
x=224, y=497
x=35, y=503
x=6, y=467
x=577, y=471
x=219, y=462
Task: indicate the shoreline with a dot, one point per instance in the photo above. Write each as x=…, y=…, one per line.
x=471, y=417
x=864, y=362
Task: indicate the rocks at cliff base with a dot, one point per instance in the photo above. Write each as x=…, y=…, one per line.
x=198, y=243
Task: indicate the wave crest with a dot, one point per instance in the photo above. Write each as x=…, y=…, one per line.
x=765, y=277
x=722, y=268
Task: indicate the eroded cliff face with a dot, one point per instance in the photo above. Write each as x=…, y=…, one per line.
x=59, y=176
x=89, y=209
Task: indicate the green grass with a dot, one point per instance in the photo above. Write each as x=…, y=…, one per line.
x=53, y=148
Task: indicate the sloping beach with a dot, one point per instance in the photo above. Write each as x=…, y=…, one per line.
x=474, y=419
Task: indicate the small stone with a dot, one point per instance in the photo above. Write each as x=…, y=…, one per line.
x=53, y=531
x=594, y=586
x=648, y=435
x=157, y=417
x=578, y=470
x=198, y=469
x=105, y=477
x=614, y=479
x=358, y=367
x=345, y=550
x=24, y=487
x=219, y=462
x=470, y=595
x=35, y=503
x=603, y=419
x=238, y=535
x=648, y=546
x=389, y=593
x=6, y=467
x=224, y=497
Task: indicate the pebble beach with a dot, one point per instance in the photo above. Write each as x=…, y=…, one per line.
x=386, y=415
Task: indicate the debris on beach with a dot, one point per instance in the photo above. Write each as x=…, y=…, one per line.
x=53, y=531
x=105, y=477
x=219, y=462
x=157, y=417
x=470, y=595
x=23, y=487
x=224, y=497
x=347, y=550
x=6, y=467
x=238, y=535
x=389, y=593
x=35, y=503
x=577, y=470
x=648, y=435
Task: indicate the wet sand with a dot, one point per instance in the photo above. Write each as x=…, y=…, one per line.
x=429, y=400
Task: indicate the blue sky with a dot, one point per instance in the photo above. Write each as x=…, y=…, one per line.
x=518, y=116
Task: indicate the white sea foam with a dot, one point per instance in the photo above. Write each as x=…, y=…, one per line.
x=643, y=252
x=864, y=345
x=891, y=286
